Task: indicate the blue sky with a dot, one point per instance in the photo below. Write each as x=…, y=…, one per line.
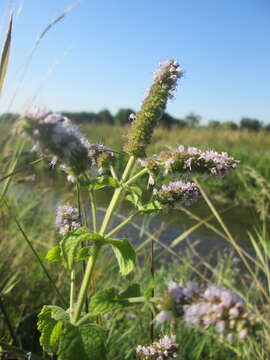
x=103, y=53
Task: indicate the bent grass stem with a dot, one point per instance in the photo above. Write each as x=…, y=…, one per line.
x=29, y=243
x=122, y=224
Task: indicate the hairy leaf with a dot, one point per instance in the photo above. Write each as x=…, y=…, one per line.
x=54, y=254
x=150, y=207
x=102, y=182
x=50, y=330
x=58, y=313
x=85, y=342
x=84, y=253
x=104, y=301
x=132, y=291
x=124, y=253
x=71, y=244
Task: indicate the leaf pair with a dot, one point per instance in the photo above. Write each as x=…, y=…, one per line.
x=70, y=249
x=135, y=197
x=85, y=342
x=102, y=182
x=110, y=300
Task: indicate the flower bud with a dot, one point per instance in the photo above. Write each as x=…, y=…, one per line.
x=165, y=81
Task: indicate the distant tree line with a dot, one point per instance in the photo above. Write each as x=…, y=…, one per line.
x=167, y=121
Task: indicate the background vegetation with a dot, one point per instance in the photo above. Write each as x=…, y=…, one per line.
x=28, y=202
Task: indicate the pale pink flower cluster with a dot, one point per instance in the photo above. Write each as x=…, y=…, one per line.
x=221, y=309
x=67, y=219
x=212, y=307
x=193, y=160
x=190, y=161
x=165, y=348
x=168, y=73
x=177, y=193
x=57, y=135
x=174, y=299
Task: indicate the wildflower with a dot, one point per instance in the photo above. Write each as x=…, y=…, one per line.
x=67, y=219
x=165, y=82
x=153, y=168
x=165, y=348
x=191, y=161
x=174, y=299
x=219, y=308
x=177, y=193
x=56, y=135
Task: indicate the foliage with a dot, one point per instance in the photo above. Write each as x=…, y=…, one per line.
x=118, y=318
x=250, y=124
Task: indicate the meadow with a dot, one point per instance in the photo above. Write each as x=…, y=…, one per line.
x=178, y=246
x=130, y=251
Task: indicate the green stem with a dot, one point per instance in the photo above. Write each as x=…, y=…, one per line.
x=92, y=261
x=123, y=224
x=128, y=168
x=152, y=257
x=85, y=284
x=72, y=292
x=116, y=197
x=142, y=299
x=113, y=173
x=81, y=221
x=93, y=210
x=135, y=177
x=79, y=200
x=84, y=319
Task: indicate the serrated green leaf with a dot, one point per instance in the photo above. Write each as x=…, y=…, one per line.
x=152, y=206
x=135, y=196
x=54, y=254
x=85, y=342
x=55, y=334
x=124, y=253
x=103, y=182
x=134, y=199
x=104, y=301
x=71, y=244
x=148, y=293
x=135, y=190
x=57, y=313
x=132, y=291
x=50, y=330
x=84, y=253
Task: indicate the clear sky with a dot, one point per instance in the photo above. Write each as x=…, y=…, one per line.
x=103, y=52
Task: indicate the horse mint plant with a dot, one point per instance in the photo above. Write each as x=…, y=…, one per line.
x=72, y=332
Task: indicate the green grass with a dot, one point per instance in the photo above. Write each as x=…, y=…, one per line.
x=25, y=288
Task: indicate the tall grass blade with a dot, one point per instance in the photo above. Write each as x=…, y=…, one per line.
x=11, y=168
x=5, y=56
x=35, y=254
x=23, y=69
x=232, y=240
x=8, y=322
